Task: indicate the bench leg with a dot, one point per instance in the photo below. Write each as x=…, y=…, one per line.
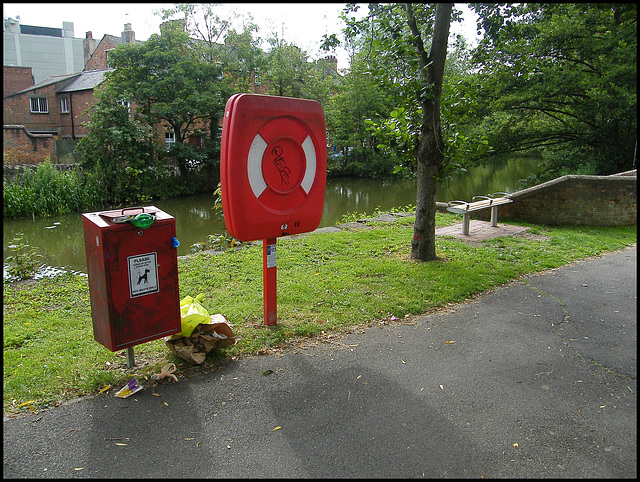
x=465, y=224
x=494, y=216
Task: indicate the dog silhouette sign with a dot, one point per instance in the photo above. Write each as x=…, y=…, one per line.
x=143, y=274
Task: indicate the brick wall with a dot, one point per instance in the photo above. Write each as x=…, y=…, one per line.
x=17, y=110
x=577, y=200
x=15, y=79
x=22, y=147
x=98, y=58
x=79, y=102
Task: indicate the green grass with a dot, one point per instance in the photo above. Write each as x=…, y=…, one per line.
x=327, y=283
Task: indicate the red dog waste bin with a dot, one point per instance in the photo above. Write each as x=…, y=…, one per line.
x=133, y=276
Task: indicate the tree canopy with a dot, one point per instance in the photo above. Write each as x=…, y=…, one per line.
x=559, y=77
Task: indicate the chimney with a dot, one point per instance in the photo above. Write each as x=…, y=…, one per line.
x=128, y=36
x=332, y=61
x=88, y=46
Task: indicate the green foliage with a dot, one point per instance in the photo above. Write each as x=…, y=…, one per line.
x=386, y=57
x=398, y=136
x=118, y=152
x=46, y=191
x=237, y=52
x=169, y=83
x=357, y=99
x=287, y=69
x=23, y=263
x=560, y=77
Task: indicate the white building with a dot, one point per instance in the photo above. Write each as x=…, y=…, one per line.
x=48, y=51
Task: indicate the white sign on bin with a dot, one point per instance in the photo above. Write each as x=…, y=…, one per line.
x=143, y=274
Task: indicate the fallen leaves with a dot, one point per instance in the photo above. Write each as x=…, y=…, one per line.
x=29, y=405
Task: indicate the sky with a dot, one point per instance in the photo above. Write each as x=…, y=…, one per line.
x=304, y=24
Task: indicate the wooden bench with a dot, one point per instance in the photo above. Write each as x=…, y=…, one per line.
x=464, y=208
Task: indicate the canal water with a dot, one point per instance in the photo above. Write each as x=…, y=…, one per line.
x=60, y=240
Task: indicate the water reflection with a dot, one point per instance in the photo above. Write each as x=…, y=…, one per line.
x=60, y=239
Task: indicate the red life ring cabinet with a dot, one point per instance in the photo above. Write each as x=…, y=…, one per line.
x=273, y=166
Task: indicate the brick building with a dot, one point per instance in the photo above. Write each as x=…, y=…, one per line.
x=15, y=79
x=99, y=57
x=57, y=106
x=36, y=115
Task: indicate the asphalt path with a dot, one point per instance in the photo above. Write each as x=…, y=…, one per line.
x=534, y=379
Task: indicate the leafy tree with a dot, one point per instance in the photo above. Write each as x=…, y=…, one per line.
x=167, y=83
x=238, y=53
x=287, y=69
x=560, y=77
x=357, y=99
x=413, y=73
x=118, y=152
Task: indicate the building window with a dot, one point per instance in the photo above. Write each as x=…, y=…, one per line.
x=169, y=140
x=106, y=53
x=125, y=103
x=64, y=105
x=39, y=105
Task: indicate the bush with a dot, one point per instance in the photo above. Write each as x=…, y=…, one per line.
x=23, y=263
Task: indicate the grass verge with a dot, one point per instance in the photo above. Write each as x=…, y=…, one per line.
x=327, y=283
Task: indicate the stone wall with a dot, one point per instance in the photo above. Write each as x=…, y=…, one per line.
x=9, y=173
x=574, y=200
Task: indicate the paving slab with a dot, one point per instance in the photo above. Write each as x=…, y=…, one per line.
x=480, y=231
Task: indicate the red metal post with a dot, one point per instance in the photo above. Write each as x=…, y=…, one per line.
x=269, y=267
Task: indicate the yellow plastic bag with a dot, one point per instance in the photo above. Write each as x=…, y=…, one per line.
x=192, y=313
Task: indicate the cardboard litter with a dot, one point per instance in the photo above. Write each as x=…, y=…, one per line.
x=204, y=338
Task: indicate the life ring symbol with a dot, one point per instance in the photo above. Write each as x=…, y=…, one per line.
x=257, y=165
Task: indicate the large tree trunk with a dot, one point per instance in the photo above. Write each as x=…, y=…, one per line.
x=423, y=244
x=430, y=148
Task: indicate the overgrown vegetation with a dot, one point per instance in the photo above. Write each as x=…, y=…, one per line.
x=327, y=283
x=46, y=191
x=560, y=78
x=23, y=262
